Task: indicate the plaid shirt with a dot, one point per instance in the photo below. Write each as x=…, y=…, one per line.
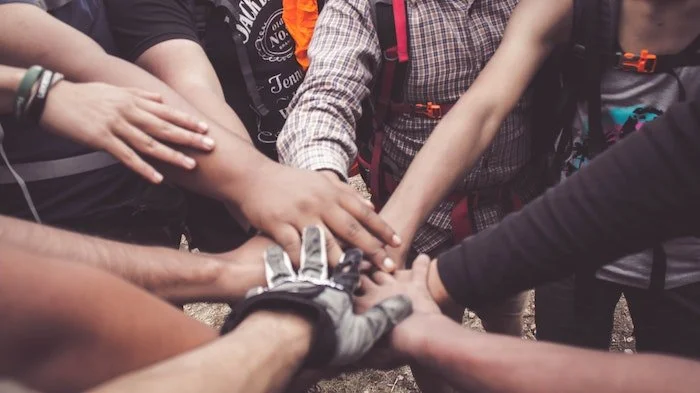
x=450, y=42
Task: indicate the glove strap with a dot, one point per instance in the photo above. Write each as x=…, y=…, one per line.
x=323, y=342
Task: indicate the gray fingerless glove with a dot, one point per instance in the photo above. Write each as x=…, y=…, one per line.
x=341, y=337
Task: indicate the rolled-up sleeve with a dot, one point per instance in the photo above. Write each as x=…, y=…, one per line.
x=344, y=59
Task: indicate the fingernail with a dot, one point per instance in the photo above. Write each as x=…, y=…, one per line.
x=388, y=264
x=208, y=142
x=203, y=126
x=157, y=177
x=189, y=162
x=396, y=240
x=369, y=203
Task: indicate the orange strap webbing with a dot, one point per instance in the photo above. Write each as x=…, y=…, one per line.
x=299, y=17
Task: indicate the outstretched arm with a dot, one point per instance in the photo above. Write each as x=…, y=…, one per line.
x=641, y=191
x=67, y=327
x=260, y=356
x=177, y=276
x=534, y=29
x=161, y=37
x=278, y=200
x=486, y=362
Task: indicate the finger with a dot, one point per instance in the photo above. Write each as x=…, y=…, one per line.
x=366, y=215
x=147, y=95
x=172, y=115
x=278, y=267
x=164, y=123
x=288, y=238
x=313, y=259
x=144, y=143
x=382, y=278
x=369, y=327
x=403, y=275
x=334, y=248
x=122, y=152
x=348, y=228
x=367, y=283
x=420, y=269
x=347, y=273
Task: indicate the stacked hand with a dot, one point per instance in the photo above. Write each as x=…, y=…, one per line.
x=122, y=122
x=282, y=201
x=341, y=336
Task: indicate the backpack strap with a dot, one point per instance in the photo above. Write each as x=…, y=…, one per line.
x=600, y=36
x=242, y=53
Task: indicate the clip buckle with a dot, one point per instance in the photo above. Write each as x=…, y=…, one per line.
x=430, y=110
x=644, y=63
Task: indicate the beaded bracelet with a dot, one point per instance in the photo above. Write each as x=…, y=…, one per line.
x=24, y=91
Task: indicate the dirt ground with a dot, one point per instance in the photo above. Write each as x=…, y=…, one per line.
x=401, y=380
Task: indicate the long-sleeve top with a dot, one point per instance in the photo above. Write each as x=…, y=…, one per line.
x=645, y=189
x=449, y=44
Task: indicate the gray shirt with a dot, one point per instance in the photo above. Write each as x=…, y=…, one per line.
x=629, y=101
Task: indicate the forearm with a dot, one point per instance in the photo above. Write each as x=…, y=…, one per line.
x=78, y=326
x=454, y=146
x=10, y=78
x=642, y=191
x=490, y=363
x=174, y=275
x=345, y=55
x=183, y=65
x=215, y=175
x=261, y=355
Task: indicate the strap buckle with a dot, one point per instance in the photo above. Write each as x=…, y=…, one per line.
x=644, y=63
x=430, y=110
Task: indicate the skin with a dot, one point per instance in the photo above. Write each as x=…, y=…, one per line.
x=278, y=200
x=249, y=359
x=63, y=337
x=176, y=276
x=491, y=363
x=121, y=121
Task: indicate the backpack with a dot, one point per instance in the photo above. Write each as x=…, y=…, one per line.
x=594, y=49
x=580, y=66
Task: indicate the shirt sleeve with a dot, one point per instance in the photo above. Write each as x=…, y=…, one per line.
x=643, y=190
x=344, y=58
x=138, y=25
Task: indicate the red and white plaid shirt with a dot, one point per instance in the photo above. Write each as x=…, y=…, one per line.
x=450, y=43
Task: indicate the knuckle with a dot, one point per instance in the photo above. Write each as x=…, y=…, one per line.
x=353, y=229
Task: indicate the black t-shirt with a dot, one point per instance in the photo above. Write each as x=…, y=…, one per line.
x=140, y=24
x=74, y=198
x=641, y=191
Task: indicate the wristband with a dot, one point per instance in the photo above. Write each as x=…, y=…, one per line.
x=36, y=105
x=25, y=89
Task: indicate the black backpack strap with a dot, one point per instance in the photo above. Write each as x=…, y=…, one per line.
x=601, y=17
x=242, y=53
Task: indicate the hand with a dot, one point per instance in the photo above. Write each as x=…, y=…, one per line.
x=282, y=201
x=410, y=283
x=122, y=121
x=342, y=337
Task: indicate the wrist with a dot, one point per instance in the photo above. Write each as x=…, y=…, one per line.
x=440, y=295
x=411, y=337
x=292, y=330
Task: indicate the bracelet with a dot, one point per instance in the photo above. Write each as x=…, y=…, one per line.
x=36, y=105
x=25, y=89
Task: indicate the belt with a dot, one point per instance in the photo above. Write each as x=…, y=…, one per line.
x=44, y=170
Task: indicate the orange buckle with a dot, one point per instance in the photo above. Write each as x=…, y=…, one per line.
x=430, y=110
x=644, y=63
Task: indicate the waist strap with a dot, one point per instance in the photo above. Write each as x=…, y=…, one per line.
x=44, y=170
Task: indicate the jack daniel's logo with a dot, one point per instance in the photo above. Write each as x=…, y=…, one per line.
x=274, y=42
x=249, y=12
